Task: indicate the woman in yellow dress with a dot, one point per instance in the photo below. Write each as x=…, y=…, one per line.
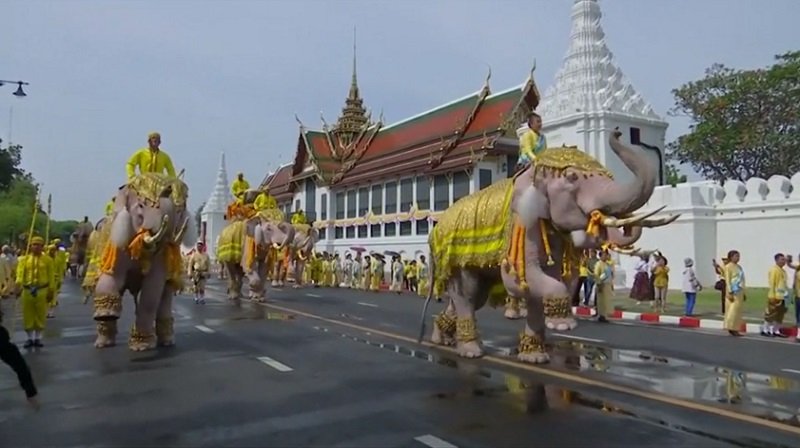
x=660, y=283
x=423, y=275
x=734, y=293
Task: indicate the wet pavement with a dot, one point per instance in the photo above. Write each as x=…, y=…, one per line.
x=248, y=375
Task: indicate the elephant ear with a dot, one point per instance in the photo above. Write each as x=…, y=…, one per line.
x=250, y=226
x=531, y=206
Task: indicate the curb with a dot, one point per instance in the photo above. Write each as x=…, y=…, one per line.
x=686, y=322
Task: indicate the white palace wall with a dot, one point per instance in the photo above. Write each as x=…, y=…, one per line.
x=758, y=218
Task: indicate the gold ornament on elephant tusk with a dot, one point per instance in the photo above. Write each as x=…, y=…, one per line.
x=610, y=221
x=176, y=238
x=149, y=240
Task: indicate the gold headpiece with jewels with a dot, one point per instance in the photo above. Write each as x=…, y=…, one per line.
x=150, y=186
x=559, y=159
x=271, y=214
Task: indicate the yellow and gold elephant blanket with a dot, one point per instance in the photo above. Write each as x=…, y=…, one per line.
x=231, y=242
x=474, y=232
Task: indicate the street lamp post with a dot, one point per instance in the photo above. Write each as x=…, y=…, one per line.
x=19, y=92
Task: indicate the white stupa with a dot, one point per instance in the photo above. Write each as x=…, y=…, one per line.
x=212, y=217
x=591, y=97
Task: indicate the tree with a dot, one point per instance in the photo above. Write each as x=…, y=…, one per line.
x=745, y=123
x=10, y=159
x=673, y=176
x=16, y=213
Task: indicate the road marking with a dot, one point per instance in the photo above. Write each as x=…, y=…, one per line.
x=280, y=367
x=434, y=442
x=647, y=395
x=313, y=295
x=372, y=305
x=791, y=371
x=577, y=338
x=204, y=329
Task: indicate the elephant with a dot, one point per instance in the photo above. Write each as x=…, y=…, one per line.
x=77, y=252
x=244, y=248
x=302, y=248
x=534, y=228
x=141, y=254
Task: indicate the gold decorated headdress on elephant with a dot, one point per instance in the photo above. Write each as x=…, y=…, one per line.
x=152, y=186
x=552, y=162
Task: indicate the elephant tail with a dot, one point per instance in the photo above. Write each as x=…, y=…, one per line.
x=423, y=318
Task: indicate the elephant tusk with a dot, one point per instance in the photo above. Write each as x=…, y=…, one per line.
x=610, y=221
x=178, y=237
x=150, y=240
x=659, y=222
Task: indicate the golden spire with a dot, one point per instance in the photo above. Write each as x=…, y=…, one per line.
x=353, y=118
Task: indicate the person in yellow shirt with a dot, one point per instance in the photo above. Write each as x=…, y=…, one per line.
x=660, y=283
x=413, y=271
x=532, y=141
x=604, y=277
x=151, y=159
x=239, y=187
x=777, y=297
x=796, y=293
x=734, y=293
x=59, y=265
x=299, y=217
x=36, y=284
x=264, y=200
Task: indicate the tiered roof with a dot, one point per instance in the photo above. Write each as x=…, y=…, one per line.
x=449, y=137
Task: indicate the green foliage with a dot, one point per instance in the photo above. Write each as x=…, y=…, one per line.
x=745, y=123
x=673, y=176
x=16, y=213
x=10, y=159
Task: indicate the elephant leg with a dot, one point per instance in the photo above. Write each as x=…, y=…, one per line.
x=257, y=283
x=464, y=290
x=106, y=334
x=165, y=323
x=108, y=307
x=555, y=298
x=299, y=269
x=276, y=272
x=532, y=340
x=512, y=308
x=444, y=326
x=143, y=335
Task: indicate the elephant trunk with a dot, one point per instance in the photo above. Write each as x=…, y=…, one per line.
x=151, y=240
x=622, y=199
x=287, y=229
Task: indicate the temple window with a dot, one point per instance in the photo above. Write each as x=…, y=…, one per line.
x=351, y=204
x=362, y=231
x=406, y=196
x=405, y=228
x=363, y=201
x=350, y=232
x=323, y=212
x=375, y=230
x=391, y=198
x=441, y=193
x=422, y=227
x=460, y=185
x=322, y=234
x=377, y=200
x=311, y=200
x=338, y=233
x=297, y=204
x=484, y=178
x=424, y=193
x=340, y=205
x=391, y=229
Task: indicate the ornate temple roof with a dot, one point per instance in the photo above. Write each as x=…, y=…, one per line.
x=588, y=80
x=220, y=196
x=279, y=183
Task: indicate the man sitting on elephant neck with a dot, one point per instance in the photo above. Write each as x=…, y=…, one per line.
x=299, y=217
x=239, y=187
x=151, y=159
x=264, y=201
x=532, y=142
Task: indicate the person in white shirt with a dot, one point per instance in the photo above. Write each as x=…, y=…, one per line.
x=691, y=286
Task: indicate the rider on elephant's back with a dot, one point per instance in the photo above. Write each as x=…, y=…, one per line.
x=531, y=142
x=264, y=200
x=150, y=159
x=299, y=217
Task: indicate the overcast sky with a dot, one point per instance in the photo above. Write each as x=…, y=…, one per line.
x=229, y=76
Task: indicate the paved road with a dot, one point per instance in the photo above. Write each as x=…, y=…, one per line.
x=248, y=375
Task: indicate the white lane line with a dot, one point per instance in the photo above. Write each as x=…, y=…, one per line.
x=313, y=295
x=791, y=371
x=577, y=338
x=280, y=367
x=204, y=329
x=434, y=442
x=372, y=305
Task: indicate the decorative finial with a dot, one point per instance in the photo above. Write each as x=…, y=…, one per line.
x=324, y=123
x=298, y=121
x=489, y=75
x=380, y=117
x=533, y=68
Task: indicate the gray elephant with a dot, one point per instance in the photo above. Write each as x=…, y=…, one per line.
x=302, y=248
x=77, y=251
x=523, y=237
x=141, y=254
x=244, y=247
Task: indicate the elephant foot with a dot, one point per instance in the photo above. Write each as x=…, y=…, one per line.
x=107, y=307
x=561, y=323
x=532, y=349
x=140, y=342
x=558, y=314
x=470, y=349
x=274, y=283
x=165, y=331
x=439, y=338
x=444, y=329
x=106, y=334
x=280, y=284
x=257, y=299
x=523, y=312
x=296, y=286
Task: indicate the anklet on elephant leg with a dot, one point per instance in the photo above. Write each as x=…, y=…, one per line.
x=466, y=329
x=446, y=324
x=530, y=343
x=557, y=307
